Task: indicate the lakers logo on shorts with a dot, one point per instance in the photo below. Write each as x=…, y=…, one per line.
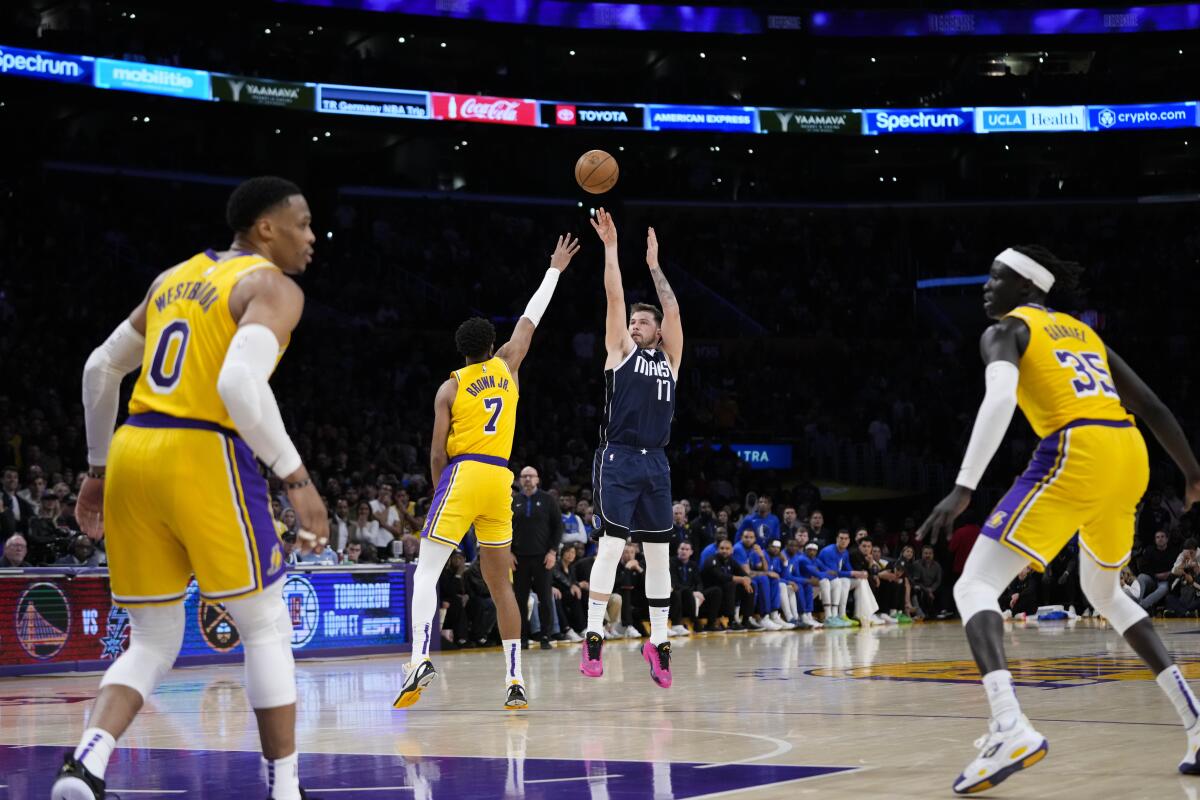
x=997, y=519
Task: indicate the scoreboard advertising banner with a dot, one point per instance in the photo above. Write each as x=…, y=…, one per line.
x=56, y=623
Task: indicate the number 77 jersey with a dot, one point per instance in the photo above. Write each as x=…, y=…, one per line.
x=1065, y=375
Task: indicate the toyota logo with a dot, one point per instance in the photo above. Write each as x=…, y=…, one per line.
x=566, y=115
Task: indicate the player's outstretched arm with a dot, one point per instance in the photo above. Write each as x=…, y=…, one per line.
x=617, y=341
x=1145, y=404
x=267, y=306
x=119, y=355
x=442, y=404
x=1001, y=348
x=514, y=350
x=672, y=326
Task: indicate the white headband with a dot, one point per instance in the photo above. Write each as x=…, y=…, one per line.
x=1026, y=267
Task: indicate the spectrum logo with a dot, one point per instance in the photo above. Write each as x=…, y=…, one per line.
x=916, y=120
x=47, y=66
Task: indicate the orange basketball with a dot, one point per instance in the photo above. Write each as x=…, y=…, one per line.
x=596, y=171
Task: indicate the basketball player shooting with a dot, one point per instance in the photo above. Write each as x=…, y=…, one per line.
x=630, y=476
x=475, y=419
x=1087, y=476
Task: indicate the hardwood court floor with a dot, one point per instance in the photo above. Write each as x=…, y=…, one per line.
x=880, y=713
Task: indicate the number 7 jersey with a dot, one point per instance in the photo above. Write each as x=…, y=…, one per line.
x=1064, y=372
x=188, y=331
x=483, y=417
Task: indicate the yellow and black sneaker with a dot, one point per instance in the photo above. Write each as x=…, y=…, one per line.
x=74, y=782
x=415, y=682
x=516, y=697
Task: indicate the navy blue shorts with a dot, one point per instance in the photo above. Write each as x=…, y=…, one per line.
x=631, y=490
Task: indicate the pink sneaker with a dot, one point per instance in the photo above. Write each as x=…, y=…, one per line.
x=659, y=659
x=590, y=663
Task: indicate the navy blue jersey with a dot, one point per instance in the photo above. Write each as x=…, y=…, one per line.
x=639, y=401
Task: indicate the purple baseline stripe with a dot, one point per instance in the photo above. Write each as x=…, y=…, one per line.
x=495, y=461
x=1040, y=467
x=154, y=419
x=439, y=499
x=258, y=504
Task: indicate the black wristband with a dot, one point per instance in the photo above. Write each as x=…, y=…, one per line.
x=299, y=484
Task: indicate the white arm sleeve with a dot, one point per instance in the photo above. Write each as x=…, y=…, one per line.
x=541, y=298
x=995, y=413
x=243, y=387
x=120, y=354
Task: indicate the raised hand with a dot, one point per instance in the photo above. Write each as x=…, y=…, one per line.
x=651, y=249
x=606, y=229
x=564, y=251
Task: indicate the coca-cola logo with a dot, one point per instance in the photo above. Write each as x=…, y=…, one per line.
x=565, y=115
x=494, y=111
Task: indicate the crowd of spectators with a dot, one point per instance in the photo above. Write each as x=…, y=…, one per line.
x=807, y=332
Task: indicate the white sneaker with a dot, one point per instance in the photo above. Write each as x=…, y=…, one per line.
x=1087, y=613
x=777, y=618
x=633, y=632
x=681, y=630
x=1191, y=759
x=572, y=636
x=757, y=625
x=1007, y=614
x=614, y=632
x=1002, y=753
x=1071, y=613
x=771, y=624
x=890, y=619
x=812, y=621
x=879, y=619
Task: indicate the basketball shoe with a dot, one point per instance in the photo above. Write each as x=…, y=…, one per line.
x=1002, y=753
x=74, y=782
x=659, y=659
x=516, y=699
x=590, y=661
x=417, y=679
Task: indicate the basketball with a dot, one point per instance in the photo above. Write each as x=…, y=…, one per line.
x=596, y=171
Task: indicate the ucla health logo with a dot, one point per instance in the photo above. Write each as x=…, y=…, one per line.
x=43, y=621
x=1107, y=118
x=303, y=607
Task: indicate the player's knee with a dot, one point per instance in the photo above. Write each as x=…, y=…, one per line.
x=973, y=595
x=265, y=628
x=156, y=634
x=1103, y=589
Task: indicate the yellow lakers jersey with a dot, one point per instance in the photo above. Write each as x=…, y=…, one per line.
x=188, y=331
x=1064, y=372
x=483, y=418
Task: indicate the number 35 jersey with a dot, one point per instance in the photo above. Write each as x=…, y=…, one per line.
x=1064, y=373
x=188, y=331
x=483, y=417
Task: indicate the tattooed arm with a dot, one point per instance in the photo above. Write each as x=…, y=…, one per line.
x=672, y=326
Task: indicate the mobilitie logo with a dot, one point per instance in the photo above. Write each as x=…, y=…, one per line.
x=45, y=66
x=916, y=120
x=131, y=76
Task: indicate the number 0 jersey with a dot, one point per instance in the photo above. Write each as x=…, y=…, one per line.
x=1064, y=372
x=188, y=331
x=483, y=418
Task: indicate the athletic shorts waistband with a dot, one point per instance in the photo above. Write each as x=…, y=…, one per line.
x=1106, y=423
x=155, y=419
x=631, y=448
x=495, y=461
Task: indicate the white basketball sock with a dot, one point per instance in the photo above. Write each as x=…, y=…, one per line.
x=1002, y=698
x=433, y=557
x=283, y=777
x=512, y=661
x=95, y=748
x=1173, y=684
x=595, y=623
x=658, y=624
